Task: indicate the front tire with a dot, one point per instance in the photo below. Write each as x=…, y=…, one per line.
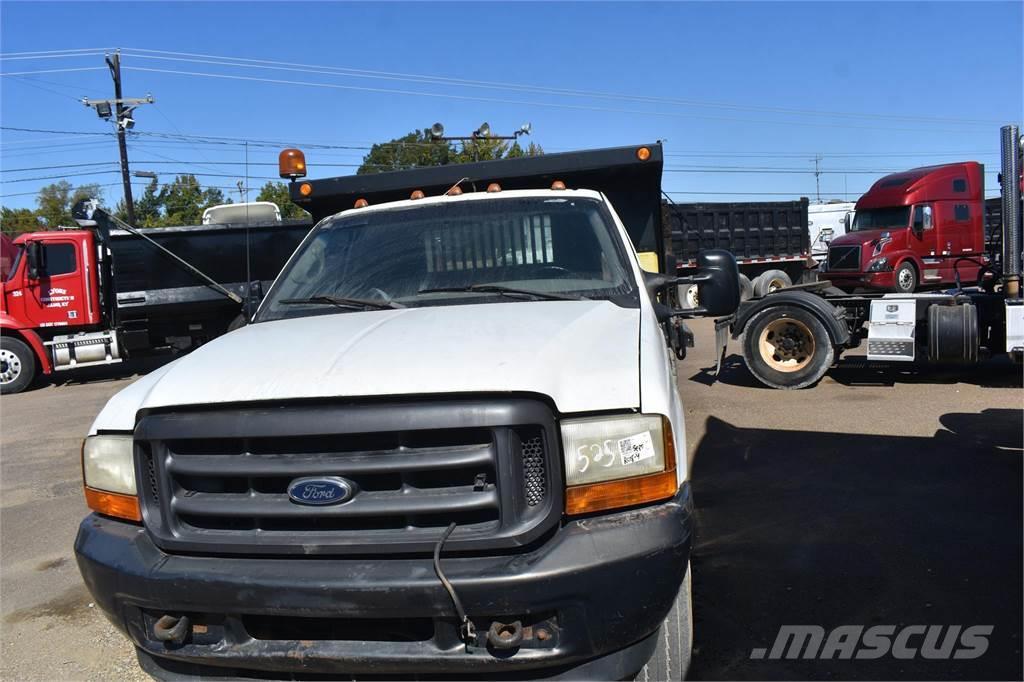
x=904, y=279
x=17, y=365
x=787, y=347
x=671, y=658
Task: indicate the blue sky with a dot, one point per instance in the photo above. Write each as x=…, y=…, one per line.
x=736, y=90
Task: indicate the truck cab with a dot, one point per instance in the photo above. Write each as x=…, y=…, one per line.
x=450, y=443
x=913, y=230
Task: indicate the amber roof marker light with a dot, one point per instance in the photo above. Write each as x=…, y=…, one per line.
x=305, y=189
x=643, y=153
x=291, y=164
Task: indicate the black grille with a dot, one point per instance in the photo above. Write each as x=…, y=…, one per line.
x=844, y=258
x=219, y=479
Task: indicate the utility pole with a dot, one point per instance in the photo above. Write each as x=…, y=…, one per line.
x=817, y=176
x=122, y=110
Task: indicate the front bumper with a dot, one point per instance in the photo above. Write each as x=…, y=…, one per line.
x=863, y=280
x=599, y=586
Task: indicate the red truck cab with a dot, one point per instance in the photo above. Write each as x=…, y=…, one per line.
x=913, y=230
x=51, y=288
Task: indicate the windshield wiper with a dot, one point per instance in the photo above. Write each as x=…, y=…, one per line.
x=504, y=291
x=342, y=302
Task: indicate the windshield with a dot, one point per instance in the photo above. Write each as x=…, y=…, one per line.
x=475, y=251
x=881, y=218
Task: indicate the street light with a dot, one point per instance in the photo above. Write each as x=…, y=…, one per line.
x=484, y=132
x=145, y=174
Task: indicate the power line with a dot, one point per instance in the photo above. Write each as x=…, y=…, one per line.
x=461, y=82
x=42, y=53
x=31, y=73
x=495, y=100
x=57, y=177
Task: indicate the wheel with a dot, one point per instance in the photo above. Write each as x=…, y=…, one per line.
x=671, y=658
x=905, y=278
x=769, y=281
x=17, y=365
x=746, y=288
x=787, y=347
x=690, y=296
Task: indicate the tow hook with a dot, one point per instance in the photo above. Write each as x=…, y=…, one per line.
x=171, y=628
x=505, y=635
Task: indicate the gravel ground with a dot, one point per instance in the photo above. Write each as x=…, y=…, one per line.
x=878, y=496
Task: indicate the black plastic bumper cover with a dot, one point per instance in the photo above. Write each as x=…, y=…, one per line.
x=604, y=583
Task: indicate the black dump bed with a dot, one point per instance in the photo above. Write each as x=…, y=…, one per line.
x=157, y=297
x=749, y=230
x=632, y=185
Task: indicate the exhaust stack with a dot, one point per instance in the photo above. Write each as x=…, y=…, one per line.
x=1010, y=179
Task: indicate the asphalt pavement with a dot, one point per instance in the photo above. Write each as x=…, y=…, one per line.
x=880, y=496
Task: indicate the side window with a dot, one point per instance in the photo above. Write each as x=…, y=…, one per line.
x=59, y=259
x=918, y=218
x=959, y=185
x=962, y=213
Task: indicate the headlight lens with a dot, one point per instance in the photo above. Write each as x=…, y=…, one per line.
x=879, y=265
x=108, y=464
x=609, y=448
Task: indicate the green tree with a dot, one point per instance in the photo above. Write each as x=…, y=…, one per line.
x=148, y=207
x=278, y=193
x=409, y=151
x=18, y=220
x=418, y=149
x=184, y=200
x=55, y=201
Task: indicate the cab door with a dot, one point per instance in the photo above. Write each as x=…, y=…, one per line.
x=923, y=241
x=57, y=292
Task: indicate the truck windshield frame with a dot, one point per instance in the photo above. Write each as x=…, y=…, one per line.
x=891, y=218
x=458, y=252
x=15, y=262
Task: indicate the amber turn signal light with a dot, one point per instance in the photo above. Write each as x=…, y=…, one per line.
x=626, y=492
x=417, y=194
x=643, y=153
x=113, y=504
x=305, y=189
x=291, y=163
x=361, y=203
x=557, y=184
x=493, y=187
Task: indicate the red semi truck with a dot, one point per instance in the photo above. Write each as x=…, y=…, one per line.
x=913, y=230
x=74, y=298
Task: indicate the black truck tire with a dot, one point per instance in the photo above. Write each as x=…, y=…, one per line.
x=769, y=281
x=17, y=365
x=746, y=288
x=904, y=280
x=787, y=347
x=671, y=658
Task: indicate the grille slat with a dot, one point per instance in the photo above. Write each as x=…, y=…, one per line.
x=483, y=464
x=327, y=463
x=378, y=504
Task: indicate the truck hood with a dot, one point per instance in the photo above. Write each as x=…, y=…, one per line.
x=860, y=237
x=584, y=355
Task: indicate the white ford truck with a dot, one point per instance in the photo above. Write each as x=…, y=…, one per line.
x=449, y=443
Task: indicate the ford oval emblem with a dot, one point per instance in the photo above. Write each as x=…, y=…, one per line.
x=321, y=490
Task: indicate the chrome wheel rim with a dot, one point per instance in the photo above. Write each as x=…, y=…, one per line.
x=786, y=345
x=905, y=278
x=10, y=366
x=692, y=299
x=776, y=284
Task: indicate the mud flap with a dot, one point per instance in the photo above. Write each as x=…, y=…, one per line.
x=722, y=325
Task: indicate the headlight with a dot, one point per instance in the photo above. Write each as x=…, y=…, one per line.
x=617, y=461
x=880, y=244
x=879, y=265
x=108, y=470
x=107, y=464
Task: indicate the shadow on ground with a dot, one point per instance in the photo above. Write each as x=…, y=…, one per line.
x=800, y=528
x=856, y=371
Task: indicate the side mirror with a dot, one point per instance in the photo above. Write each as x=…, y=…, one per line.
x=927, y=217
x=718, y=283
x=34, y=259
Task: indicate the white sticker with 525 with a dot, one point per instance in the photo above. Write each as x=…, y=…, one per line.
x=636, y=448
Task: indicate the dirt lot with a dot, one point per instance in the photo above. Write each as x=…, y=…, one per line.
x=877, y=497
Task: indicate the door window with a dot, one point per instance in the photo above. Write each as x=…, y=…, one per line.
x=58, y=259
